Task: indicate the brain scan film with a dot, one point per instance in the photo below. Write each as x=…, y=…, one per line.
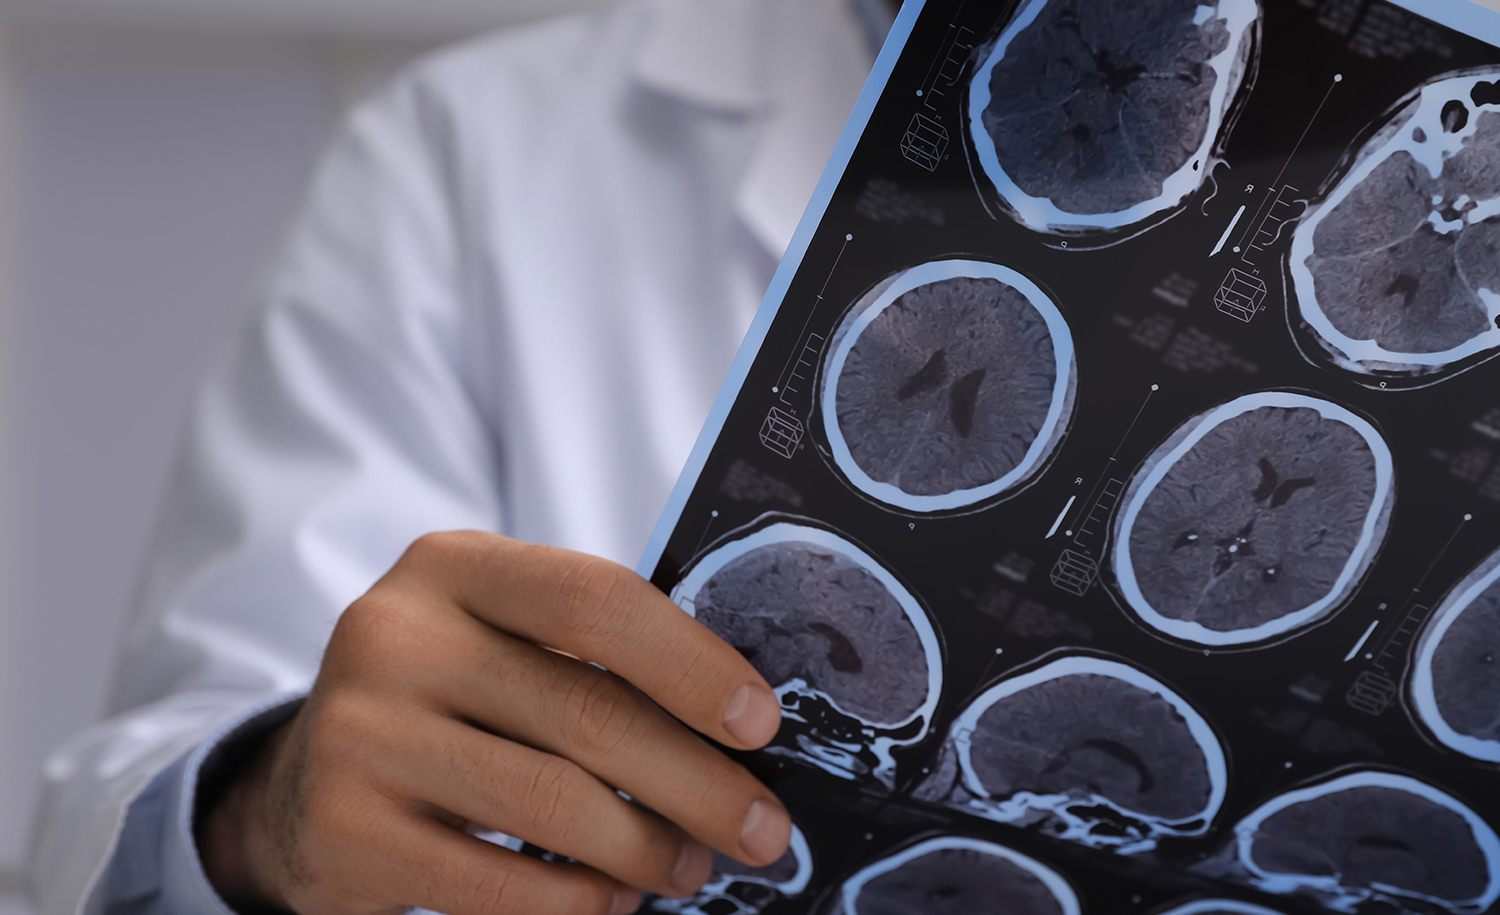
x=1397, y=270
x=1095, y=751
x=1371, y=836
x=946, y=385
x=1455, y=684
x=737, y=889
x=1089, y=116
x=1219, y=907
x=852, y=656
x=1254, y=519
x=955, y=876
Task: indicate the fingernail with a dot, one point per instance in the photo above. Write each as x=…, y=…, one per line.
x=695, y=864
x=627, y=900
x=766, y=832
x=752, y=715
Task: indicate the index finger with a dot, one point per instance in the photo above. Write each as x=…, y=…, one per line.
x=603, y=612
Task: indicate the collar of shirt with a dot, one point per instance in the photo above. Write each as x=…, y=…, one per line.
x=797, y=64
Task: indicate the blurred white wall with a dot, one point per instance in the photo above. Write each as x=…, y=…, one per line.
x=151, y=153
x=151, y=179
x=11, y=779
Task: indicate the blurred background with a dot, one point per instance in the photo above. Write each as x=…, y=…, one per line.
x=151, y=154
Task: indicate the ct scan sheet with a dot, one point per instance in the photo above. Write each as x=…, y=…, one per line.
x=1110, y=486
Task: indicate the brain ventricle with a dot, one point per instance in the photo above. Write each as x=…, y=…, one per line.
x=1397, y=269
x=1096, y=734
x=799, y=609
x=1371, y=835
x=948, y=387
x=1109, y=108
x=1258, y=520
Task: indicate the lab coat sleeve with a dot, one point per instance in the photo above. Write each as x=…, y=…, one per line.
x=347, y=424
x=155, y=869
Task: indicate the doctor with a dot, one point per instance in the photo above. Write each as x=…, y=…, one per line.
x=507, y=307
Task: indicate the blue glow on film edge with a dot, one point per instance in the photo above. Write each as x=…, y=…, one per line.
x=880, y=74
x=1467, y=16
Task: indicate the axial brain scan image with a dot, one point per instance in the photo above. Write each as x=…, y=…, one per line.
x=955, y=876
x=1253, y=519
x=852, y=656
x=1096, y=751
x=1089, y=115
x=1397, y=270
x=947, y=384
x=1372, y=836
x=738, y=889
x=1455, y=683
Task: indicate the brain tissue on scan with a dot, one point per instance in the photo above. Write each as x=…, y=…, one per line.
x=850, y=653
x=1092, y=751
x=1091, y=116
x=1397, y=270
x=1455, y=684
x=1371, y=836
x=738, y=889
x=952, y=875
x=947, y=384
x=1255, y=518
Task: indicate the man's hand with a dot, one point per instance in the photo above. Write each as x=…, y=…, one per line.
x=439, y=703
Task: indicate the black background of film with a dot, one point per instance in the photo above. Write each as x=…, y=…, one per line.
x=947, y=562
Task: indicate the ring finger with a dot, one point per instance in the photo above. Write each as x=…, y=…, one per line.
x=573, y=710
x=554, y=803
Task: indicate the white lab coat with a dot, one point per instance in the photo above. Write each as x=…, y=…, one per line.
x=519, y=281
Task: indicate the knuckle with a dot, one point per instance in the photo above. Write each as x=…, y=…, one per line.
x=696, y=672
x=391, y=638
x=370, y=624
x=441, y=558
x=493, y=890
x=598, y=714
x=590, y=599
x=433, y=547
x=551, y=794
x=345, y=738
x=718, y=784
x=340, y=719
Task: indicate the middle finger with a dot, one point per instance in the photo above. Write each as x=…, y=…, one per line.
x=553, y=803
x=594, y=718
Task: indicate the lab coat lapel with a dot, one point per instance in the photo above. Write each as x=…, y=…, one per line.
x=697, y=50
x=813, y=86
x=800, y=86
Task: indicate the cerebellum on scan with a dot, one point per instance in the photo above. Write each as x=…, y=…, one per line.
x=1455, y=683
x=946, y=385
x=954, y=875
x=1088, y=750
x=739, y=889
x=1396, y=269
x=1371, y=836
x=850, y=652
x=1093, y=119
x=1253, y=519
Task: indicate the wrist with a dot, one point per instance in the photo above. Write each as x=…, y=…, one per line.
x=230, y=823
